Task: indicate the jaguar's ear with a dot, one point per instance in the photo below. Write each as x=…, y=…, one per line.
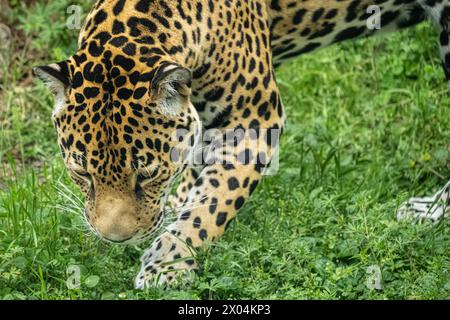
x=55, y=76
x=172, y=86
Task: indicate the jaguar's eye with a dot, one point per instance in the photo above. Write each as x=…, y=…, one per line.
x=147, y=173
x=146, y=177
x=82, y=175
x=141, y=179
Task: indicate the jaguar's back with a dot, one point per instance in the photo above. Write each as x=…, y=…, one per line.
x=298, y=27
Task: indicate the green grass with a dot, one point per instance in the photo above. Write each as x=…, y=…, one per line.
x=368, y=126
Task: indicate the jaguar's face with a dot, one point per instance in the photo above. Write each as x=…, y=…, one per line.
x=119, y=132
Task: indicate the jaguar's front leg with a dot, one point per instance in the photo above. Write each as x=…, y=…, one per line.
x=188, y=178
x=169, y=255
x=168, y=258
x=234, y=167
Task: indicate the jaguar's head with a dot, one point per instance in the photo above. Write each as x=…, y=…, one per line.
x=124, y=128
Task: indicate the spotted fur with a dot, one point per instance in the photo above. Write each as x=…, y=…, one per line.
x=145, y=69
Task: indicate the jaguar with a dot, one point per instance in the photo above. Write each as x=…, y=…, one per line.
x=151, y=77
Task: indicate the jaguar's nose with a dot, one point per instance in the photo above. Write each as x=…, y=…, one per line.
x=115, y=219
x=117, y=239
